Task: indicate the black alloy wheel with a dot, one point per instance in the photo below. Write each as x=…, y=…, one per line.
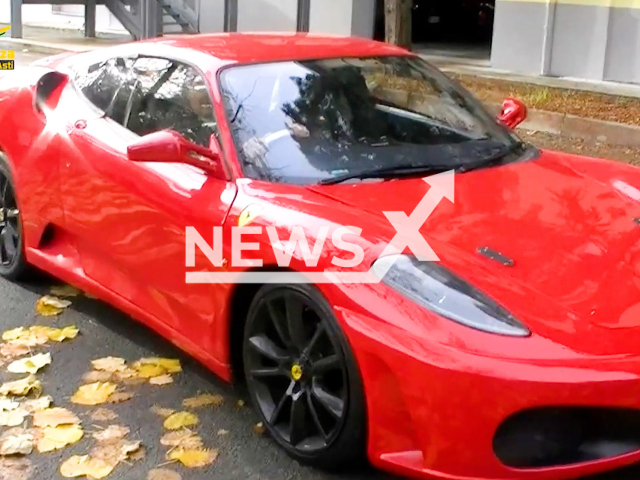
x=12, y=260
x=302, y=378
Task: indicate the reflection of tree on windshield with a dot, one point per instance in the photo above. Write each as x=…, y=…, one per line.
x=307, y=121
x=334, y=104
x=337, y=112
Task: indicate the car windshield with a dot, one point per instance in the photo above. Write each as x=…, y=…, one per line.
x=308, y=122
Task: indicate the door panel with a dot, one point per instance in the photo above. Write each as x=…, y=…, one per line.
x=130, y=221
x=130, y=218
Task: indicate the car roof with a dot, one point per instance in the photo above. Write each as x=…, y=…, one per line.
x=270, y=47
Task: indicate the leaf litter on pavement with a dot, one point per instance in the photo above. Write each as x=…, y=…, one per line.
x=53, y=428
x=50, y=306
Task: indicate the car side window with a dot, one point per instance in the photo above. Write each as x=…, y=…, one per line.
x=101, y=82
x=170, y=95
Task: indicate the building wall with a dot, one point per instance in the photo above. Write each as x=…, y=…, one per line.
x=272, y=15
x=71, y=16
x=590, y=39
x=342, y=17
x=211, y=15
x=363, y=21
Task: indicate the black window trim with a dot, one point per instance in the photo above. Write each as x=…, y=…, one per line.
x=224, y=157
x=223, y=154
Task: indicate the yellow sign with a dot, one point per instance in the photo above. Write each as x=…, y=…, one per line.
x=7, y=59
x=4, y=30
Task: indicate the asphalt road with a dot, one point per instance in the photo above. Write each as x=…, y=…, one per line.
x=106, y=332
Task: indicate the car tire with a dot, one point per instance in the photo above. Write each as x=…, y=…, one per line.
x=329, y=392
x=16, y=268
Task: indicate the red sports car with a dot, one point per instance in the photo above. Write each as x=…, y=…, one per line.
x=163, y=176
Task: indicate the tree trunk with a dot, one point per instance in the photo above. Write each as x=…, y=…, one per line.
x=397, y=17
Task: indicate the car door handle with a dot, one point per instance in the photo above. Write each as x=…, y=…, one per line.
x=81, y=124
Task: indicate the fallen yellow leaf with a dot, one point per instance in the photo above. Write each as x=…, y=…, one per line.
x=20, y=339
x=97, y=376
x=138, y=454
x=114, y=452
x=193, y=458
x=83, y=465
x=222, y=432
x=93, y=393
x=36, y=404
x=184, y=438
x=240, y=404
x=127, y=374
x=12, y=418
x=16, y=441
x=161, y=380
x=31, y=364
x=103, y=415
x=109, y=364
x=52, y=417
x=40, y=334
x=21, y=387
x=120, y=397
x=15, y=334
x=64, y=291
x=12, y=350
x=161, y=411
x=163, y=474
x=8, y=404
x=259, y=428
x=148, y=370
x=49, y=306
x=171, y=365
x=179, y=420
x=62, y=334
x=111, y=433
x=203, y=401
x=55, y=438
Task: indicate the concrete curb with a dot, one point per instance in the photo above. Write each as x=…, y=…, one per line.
x=588, y=129
x=47, y=47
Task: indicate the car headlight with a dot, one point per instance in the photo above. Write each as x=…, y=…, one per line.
x=434, y=287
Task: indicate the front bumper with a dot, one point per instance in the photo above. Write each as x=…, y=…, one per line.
x=434, y=412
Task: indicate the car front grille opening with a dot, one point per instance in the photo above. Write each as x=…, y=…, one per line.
x=560, y=436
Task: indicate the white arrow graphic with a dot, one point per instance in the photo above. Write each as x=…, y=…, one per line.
x=408, y=231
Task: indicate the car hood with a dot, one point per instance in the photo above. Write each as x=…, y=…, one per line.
x=570, y=241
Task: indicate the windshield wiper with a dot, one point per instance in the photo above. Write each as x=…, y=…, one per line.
x=388, y=172
x=505, y=156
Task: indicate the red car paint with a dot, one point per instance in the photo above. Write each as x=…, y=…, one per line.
x=436, y=391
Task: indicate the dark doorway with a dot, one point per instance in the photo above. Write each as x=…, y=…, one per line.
x=457, y=26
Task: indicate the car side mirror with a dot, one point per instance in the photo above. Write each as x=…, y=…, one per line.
x=168, y=146
x=513, y=113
